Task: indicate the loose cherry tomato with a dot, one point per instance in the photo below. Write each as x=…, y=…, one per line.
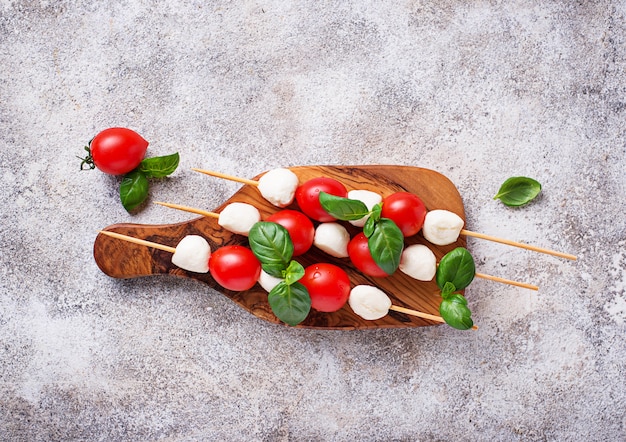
x=406, y=210
x=116, y=151
x=234, y=267
x=328, y=286
x=300, y=229
x=361, y=257
x=308, y=196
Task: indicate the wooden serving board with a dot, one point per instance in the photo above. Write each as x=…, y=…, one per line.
x=121, y=259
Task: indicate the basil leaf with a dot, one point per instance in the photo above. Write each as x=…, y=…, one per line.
x=133, y=189
x=159, y=167
x=456, y=267
x=293, y=273
x=369, y=227
x=455, y=312
x=447, y=290
x=386, y=244
x=517, y=191
x=341, y=208
x=290, y=303
x=272, y=245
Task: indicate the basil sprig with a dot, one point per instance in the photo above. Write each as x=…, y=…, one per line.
x=272, y=245
x=384, y=238
x=456, y=267
x=517, y=191
x=455, y=272
x=134, y=186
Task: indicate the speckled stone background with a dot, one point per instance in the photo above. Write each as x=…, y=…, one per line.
x=479, y=91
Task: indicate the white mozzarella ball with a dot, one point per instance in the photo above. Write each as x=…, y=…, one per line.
x=442, y=227
x=278, y=186
x=192, y=253
x=332, y=238
x=369, y=302
x=239, y=218
x=370, y=199
x=419, y=262
x=267, y=281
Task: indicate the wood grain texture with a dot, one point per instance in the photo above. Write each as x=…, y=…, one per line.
x=120, y=259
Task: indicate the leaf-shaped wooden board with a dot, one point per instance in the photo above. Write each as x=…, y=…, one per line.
x=121, y=259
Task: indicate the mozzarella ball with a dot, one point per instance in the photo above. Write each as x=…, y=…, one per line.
x=370, y=199
x=239, y=218
x=192, y=253
x=369, y=302
x=267, y=281
x=278, y=186
x=442, y=227
x=332, y=238
x=419, y=262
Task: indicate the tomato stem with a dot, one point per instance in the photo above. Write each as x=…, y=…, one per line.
x=87, y=161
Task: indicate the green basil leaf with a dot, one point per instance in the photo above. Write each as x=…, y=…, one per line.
x=369, y=227
x=386, y=244
x=447, y=290
x=456, y=267
x=293, y=273
x=159, y=167
x=376, y=211
x=133, y=189
x=343, y=209
x=290, y=303
x=455, y=312
x=517, y=191
x=272, y=245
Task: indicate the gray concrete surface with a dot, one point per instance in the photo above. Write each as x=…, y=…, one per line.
x=479, y=91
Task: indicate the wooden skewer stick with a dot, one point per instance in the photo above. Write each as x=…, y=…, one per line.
x=478, y=275
x=189, y=209
x=155, y=245
x=421, y=315
x=518, y=244
x=506, y=281
x=228, y=177
x=463, y=232
x=142, y=242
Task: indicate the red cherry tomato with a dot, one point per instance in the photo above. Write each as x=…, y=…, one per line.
x=117, y=150
x=406, y=210
x=234, y=267
x=308, y=196
x=359, y=253
x=300, y=228
x=328, y=286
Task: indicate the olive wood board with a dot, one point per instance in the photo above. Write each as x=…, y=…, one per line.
x=122, y=259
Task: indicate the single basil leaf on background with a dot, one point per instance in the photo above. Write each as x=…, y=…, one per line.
x=133, y=189
x=341, y=208
x=456, y=267
x=290, y=303
x=272, y=245
x=455, y=312
x=386, y=244
x=293, y=273
x=517, y=191
x=159, y=167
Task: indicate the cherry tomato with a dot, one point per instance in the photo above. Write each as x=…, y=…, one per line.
x=406, y=210
x=117, y=150
x=300, y=229
x=328, y=286
x=234, y=267
x=359, y=253
x=308, y=196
